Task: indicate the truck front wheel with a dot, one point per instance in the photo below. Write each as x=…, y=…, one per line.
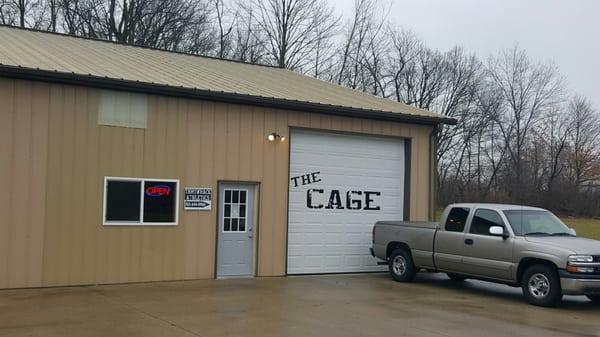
x=541, y=286
x=401, y=265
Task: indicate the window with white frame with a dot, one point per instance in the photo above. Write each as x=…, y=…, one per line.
x=139, y=201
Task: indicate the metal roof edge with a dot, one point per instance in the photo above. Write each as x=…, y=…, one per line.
x=94, y=39
x=216, y=96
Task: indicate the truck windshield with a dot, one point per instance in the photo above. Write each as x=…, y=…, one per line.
x=536, y=222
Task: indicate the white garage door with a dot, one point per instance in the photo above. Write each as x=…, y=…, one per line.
x=340, y=185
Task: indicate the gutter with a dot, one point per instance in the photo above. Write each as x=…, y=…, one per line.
x=215, y=96
x=433, y=172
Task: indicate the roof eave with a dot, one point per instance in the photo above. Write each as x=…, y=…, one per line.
x=224, y=97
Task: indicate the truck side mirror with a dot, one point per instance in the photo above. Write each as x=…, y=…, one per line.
x=497, y=231
x=573, y=231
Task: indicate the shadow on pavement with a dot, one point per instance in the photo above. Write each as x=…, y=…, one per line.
x=493, y=290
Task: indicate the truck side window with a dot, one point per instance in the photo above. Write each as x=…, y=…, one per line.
x=483, y=220
x=457, y=218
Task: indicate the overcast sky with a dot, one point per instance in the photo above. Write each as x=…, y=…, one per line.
x=566, y=32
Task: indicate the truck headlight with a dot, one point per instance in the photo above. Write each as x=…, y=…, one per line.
x=581, y=264
x=581, y=258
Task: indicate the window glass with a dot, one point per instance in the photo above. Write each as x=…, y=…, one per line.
x=234, y=213
x=457, y=218
x=132, y=201
x=535, y=221
x=122, y=201
x=483, y=220
x=159, y=201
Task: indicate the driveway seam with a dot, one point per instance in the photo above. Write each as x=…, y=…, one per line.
x=140, y=311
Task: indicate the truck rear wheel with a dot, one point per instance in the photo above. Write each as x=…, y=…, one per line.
x=541, y=286
x=401, y=265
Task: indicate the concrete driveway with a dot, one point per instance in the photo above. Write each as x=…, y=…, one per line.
x=341, y=305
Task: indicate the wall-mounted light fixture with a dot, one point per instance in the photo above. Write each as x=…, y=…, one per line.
x=275, y=136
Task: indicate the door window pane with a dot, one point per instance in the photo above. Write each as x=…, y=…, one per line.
x=483, y=220
x=122, y=201
x=234, y=210
x=457, y=218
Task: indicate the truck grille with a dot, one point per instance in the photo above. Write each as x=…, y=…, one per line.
x=597, y=258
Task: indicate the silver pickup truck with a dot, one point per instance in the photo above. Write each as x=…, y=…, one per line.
x=520, y=246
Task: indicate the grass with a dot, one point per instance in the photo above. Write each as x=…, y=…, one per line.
x=588, y=228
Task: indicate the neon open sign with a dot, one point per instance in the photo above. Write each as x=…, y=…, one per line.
x=158, y=191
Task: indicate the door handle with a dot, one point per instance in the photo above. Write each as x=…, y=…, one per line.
x=468, y=241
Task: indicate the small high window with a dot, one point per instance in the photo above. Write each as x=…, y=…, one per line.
x=137, y=201
x=124, y=109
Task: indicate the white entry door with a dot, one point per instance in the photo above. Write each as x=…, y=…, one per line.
x=340, y=185
x=234, y=251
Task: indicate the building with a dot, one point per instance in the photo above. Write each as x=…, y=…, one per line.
x=128, y=164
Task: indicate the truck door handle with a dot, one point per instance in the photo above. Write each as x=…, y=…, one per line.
x=468, y=241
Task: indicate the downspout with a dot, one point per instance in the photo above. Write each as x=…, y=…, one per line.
x=433, y=172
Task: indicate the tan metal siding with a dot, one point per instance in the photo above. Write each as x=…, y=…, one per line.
x=60, y=239
x=23, y=134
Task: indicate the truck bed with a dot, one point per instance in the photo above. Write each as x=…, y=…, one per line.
x=420, y=235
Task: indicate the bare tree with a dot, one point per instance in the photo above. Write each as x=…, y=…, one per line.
x=548, y=166
x=291, y=29
x=226, y=22
x=248, y=39
x=457, y=97
x=23, y=13
x=53, y=14
x=84, y=17
x=584, y=136
x=322, y=59
x=8, y=12
x=362, y=55
x=528, y=91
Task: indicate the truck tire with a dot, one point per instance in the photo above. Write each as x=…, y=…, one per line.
x=401, y=265
x=456, y=277
x=594, y=298
x=541, y=286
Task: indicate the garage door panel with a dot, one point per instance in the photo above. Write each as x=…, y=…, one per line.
x=324, y=240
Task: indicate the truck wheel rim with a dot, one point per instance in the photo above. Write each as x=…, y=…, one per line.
x=539, y=285
x=399, y=265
